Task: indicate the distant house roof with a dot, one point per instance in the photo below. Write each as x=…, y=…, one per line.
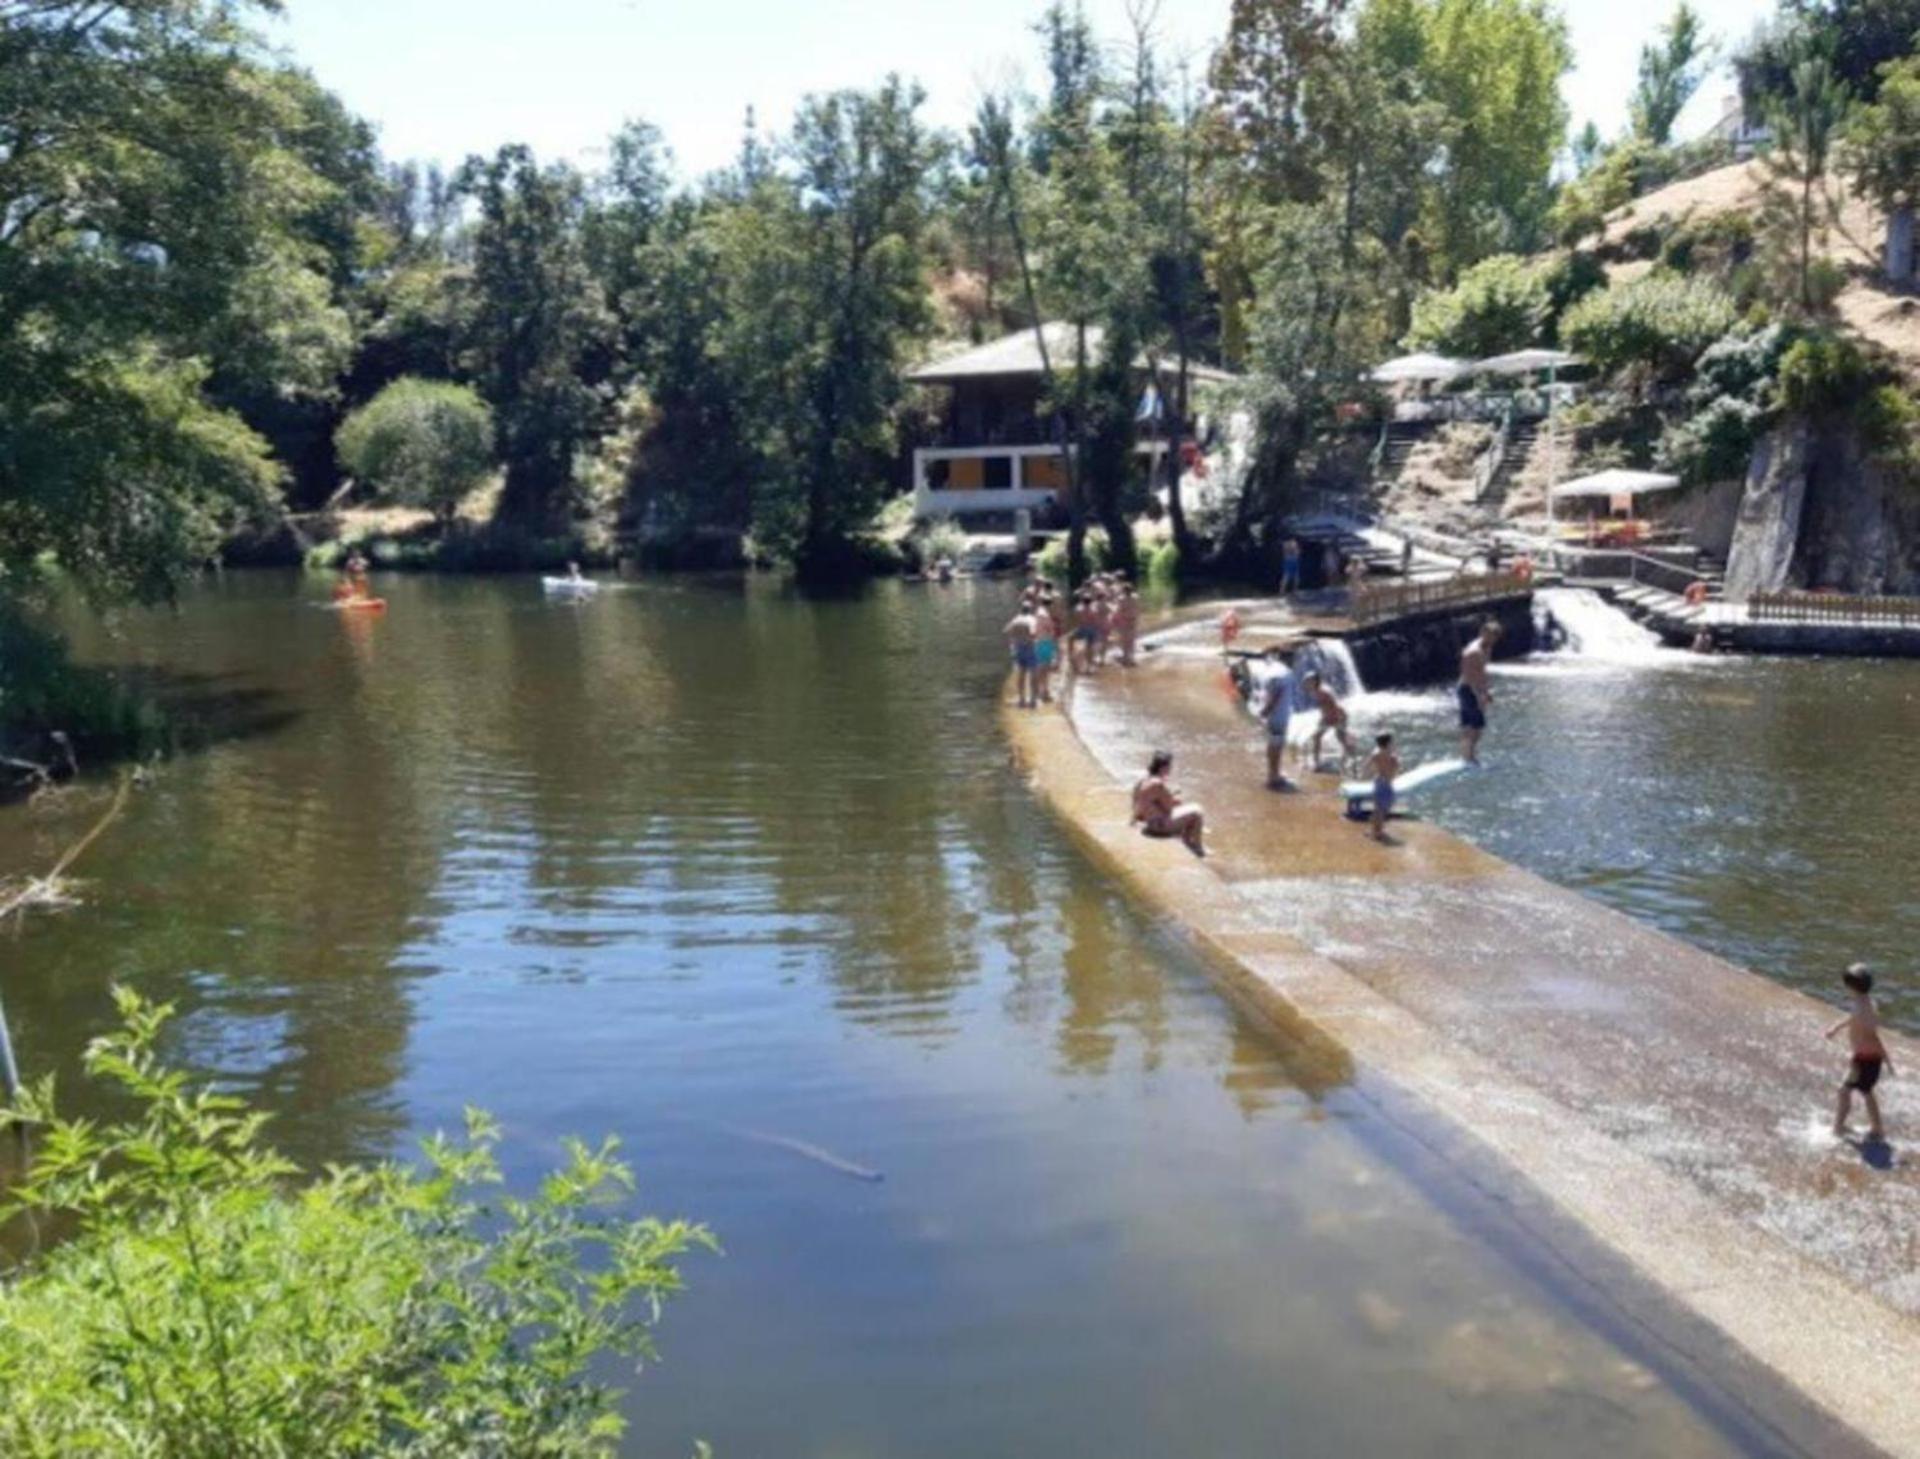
x=1018, y=354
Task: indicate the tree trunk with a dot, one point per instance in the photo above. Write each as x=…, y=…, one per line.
x=1900, y=261
x=1076, y=464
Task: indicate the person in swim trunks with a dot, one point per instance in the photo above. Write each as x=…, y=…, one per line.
x=1475, y=689
x=1159, y=811
x=1021, y=631
x=1384, y=766
x=1086, y=633
x=1870, y=1060
x=1333, y=719
x=1046, y=645
x=1276, y=711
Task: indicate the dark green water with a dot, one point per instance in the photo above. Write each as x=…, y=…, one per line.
x=697, y=863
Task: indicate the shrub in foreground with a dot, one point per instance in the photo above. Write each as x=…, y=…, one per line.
x=420, y=443
x=209, y=1302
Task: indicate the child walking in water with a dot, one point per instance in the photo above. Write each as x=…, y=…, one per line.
x=1870, y=1060
x=1383, y=765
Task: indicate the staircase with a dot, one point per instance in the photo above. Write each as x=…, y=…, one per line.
x=1522, y=436
x=1401, y=438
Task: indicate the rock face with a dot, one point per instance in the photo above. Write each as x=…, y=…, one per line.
x=1768, y=527
x=1427, y=650
x=1860, y=531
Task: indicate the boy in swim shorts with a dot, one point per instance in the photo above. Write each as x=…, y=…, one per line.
x=1383, y=765
x=1870, y=1060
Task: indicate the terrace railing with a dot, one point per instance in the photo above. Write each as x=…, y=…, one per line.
x=1634, y=567
x=1374, y=604
x=1797, y=607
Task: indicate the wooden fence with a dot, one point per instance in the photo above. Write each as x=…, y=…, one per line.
x=1377, y=603
x=1793, y=607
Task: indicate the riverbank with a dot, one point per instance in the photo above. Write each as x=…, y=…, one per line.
x=1666, y=1101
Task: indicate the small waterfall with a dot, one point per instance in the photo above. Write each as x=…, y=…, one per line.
x=1332, y=660
x=1595, y=629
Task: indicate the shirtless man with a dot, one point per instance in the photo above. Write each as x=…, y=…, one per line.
x=1046, y=645
x=1022, y=635
x=1126, y=622
x=1158, y=809
x=1333, y=719
x=1475, y=690
x=1276, y=712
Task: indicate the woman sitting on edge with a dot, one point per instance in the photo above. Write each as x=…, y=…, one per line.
x=1158, y=809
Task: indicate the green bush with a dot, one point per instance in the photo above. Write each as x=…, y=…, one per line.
x=204, y=1303
x=1051, y=560
x=420, y=443
x=1661, y=323
x=1163, y=565
x=1500, y=304
x=42, y=689
x=937, y=538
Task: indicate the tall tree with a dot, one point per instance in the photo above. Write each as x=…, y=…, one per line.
x=1671, y=69
x=1883, y=155
x=538, y=332
x=1806, y=118
x=156, y=217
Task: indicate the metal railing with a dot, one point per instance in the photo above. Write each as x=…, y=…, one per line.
x=1377, y=603
x=1486, y=467
x=1635, y=567
x=1798, y=607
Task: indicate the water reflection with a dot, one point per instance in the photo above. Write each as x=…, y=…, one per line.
x=699, y=858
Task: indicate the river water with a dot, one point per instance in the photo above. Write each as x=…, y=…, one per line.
x=749, y=882
x=1759, y=807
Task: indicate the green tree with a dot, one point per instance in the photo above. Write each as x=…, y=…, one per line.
x=1807, y=119
x=210, y=1298
x=158, y=256
x=1494, y=66
x=1671, y=70
x=1883, y=156
x=538, y=334
x=1660, y=323
x=1500, y=304
x=825, y=270
x=422, y=443
x=1858, y=37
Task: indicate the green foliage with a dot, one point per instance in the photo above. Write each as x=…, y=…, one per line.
x=42, y=689
x=1671, y=70
x=1858, y=37
x=160, y=214
x=942, y=537
x=1659, y=324
x=1883, y=142
x=1500, y=304
x=1732, y=400
x=1050, y=562
x=1825, y=375
x=1797, y=211
x=206, y=1303
x=1163, y=565
x=537, y=329
x=423, y=443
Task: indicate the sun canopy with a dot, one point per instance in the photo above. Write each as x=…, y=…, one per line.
x=1617, y=483
x=1417, y=368
x=1524, y=362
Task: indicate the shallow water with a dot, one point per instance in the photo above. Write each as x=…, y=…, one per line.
x=1758, y=807
x=732, y=875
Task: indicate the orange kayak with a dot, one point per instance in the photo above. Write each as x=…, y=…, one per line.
x=361, y=605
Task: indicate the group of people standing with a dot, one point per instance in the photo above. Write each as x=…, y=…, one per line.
x=1103, y=616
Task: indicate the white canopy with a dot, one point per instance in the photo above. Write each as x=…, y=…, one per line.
x=1524, y=362
x=1617, y=483
x=1421, y=367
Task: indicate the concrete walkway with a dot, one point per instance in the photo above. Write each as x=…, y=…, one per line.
x=1674, y=1105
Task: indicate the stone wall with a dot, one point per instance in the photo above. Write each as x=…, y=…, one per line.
x=1411, y=652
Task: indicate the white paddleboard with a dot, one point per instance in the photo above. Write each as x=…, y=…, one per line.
x=570, y=587
x=1360, y=792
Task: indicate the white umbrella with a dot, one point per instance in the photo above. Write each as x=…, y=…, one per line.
x=1617, y=482
x=1524, y=362
x=1420, y=367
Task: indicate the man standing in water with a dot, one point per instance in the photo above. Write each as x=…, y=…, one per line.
x=1475, y=690
x=1276, y=711
x=1022, y=634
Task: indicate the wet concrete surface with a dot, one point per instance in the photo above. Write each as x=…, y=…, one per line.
x=1677, y=1106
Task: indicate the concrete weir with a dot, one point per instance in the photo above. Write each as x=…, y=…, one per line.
x=1666, y=1105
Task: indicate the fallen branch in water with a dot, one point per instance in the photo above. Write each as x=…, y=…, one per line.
x=54, y=890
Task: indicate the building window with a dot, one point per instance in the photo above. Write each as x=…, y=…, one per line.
x=996, y=473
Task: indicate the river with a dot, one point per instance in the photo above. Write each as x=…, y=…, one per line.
x=736, y=877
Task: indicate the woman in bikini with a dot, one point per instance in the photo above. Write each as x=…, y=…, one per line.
x=1158, y=809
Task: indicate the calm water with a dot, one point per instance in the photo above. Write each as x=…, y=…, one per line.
x=700, y=865
x=1761, y=808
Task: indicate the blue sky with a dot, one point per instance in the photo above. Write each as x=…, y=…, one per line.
x=443, y=78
